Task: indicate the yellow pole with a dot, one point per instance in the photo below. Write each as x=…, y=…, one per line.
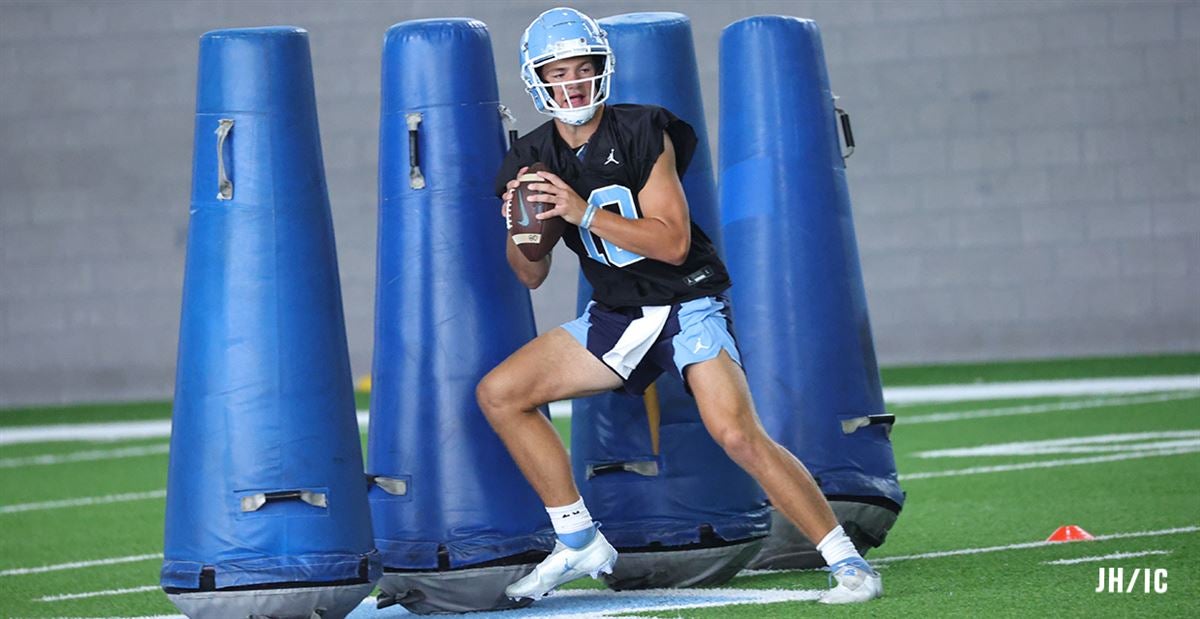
x=653, y=415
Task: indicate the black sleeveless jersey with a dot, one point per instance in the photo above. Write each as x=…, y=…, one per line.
x=612, y=170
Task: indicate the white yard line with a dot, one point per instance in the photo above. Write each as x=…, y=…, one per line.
x=602, y=604
x=1048, y=464
x=560, y=410
x=77, y=565
x=94, y=594
x=615, y=597
x=83, y=501
x=1109, y=557
x=1128, y=441
x=160, y=428
x=1055, y=407
x=85, y=456
x=1040, y=388
x=1013, y=390
x=125, y=617
x=111, y=431
x=1191, y=447
x=975, y=551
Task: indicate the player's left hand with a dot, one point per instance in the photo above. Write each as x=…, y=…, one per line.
x=506, y=199
x=567, y=203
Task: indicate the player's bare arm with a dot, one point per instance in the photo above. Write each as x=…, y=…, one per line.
x=662, y=233
x=530, y=273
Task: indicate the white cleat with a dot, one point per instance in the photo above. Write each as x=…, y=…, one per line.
x=857, y=582
x=564, y=565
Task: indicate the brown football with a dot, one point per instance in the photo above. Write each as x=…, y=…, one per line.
x=534, y=237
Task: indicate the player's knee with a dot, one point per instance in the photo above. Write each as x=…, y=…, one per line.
x=738, y=443
x=747, y=445
x=493, y=396
x=500, y=399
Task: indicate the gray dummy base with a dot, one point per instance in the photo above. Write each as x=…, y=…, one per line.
x=454, y=591
x=670, y=569
x=788, y=549
x=334, y=602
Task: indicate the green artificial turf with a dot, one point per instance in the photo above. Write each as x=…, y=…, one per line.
x=940, y=514
x=1040, y=369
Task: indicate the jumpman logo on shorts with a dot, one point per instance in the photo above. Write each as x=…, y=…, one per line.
x=700, y=345
x=611, y=158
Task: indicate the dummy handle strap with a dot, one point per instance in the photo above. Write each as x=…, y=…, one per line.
x=252, y=502
x=224, y=185
x=390, y=485
x=886, y=420
x=645, y=468
x=847, y=133
x=510, y=121
x=416, y=180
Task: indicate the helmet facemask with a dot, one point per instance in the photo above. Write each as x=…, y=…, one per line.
x=594, y=88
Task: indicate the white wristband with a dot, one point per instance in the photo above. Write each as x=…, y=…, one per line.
x=586, y=221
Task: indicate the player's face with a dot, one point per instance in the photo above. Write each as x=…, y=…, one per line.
x=577, y=76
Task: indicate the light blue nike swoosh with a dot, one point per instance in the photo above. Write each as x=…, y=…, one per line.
x=524, y=213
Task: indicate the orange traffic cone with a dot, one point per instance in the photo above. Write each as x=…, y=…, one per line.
x=1069, y=533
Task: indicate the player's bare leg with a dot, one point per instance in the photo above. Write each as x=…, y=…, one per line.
x=552, y=367
x=723, y=397
x=728, y=413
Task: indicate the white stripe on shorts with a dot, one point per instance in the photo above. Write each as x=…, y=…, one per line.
x=637, y=339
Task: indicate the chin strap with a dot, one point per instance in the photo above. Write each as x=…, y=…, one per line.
x=573, y=119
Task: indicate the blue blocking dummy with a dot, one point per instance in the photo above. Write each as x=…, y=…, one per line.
x=802, y=311
x=454, y=518
x=266, y=502
x=678, y=509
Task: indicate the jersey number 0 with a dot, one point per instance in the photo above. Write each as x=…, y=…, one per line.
x=612, y=255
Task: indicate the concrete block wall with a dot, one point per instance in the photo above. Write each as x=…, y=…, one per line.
x=1025, y=183
x=1033, y=196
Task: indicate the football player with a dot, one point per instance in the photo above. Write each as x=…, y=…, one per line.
x=658, y=304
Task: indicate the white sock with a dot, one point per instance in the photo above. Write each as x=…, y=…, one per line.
x=836, y=546
x=570, y=518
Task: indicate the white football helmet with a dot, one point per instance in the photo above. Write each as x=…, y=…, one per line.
x=565, y=33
